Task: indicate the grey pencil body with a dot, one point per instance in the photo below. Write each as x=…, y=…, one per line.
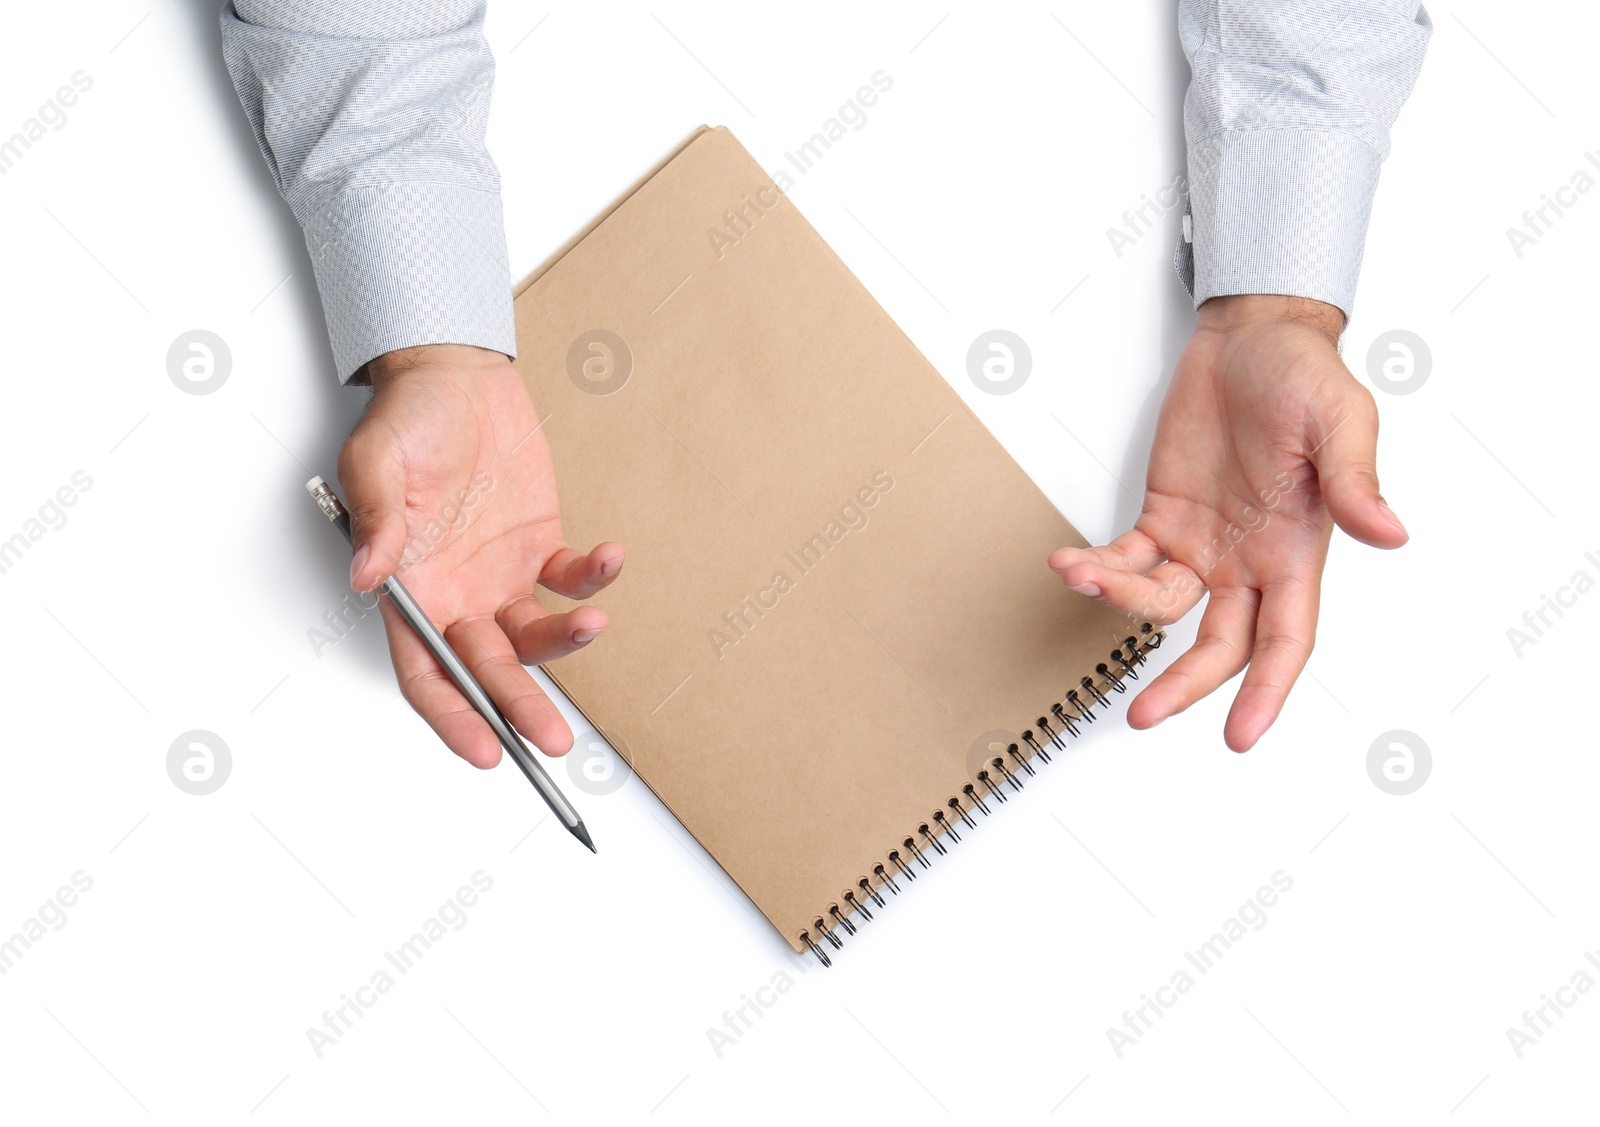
x=460, y=675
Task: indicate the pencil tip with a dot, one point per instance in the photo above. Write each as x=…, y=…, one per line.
x=581, y=832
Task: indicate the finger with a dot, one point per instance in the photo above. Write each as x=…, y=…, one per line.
x=578, y=576
x=1345, y=454
x=1132, y=551
x=1221, y=648
x=374, y=481
x=1286, y=630
x=429, y=690
x=1165, y=595
x=483, y=646
x=538, y=636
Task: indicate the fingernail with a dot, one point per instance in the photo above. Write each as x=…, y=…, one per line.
x=1394, y=520
x=358, y=563
x=611, y=567
x=1090, y=589
x=583, y=637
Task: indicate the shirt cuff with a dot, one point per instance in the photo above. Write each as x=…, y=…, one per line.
x=407, y=263
x=1278, y=211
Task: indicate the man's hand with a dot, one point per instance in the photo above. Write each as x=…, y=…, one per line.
x=1265, y=441
x=448, y=482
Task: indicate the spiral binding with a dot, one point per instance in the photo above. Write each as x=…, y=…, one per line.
x=1071, y=716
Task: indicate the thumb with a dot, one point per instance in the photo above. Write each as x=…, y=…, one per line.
x=1345, y=456
x=374, y=480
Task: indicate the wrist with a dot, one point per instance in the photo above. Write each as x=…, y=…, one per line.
x=436, y=359
x=1235, y=312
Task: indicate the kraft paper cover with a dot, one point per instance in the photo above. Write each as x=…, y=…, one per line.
x=835, y=577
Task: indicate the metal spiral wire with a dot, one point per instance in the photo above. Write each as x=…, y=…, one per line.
x=1067, y=717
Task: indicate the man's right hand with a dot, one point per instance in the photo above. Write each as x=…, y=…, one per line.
x=448, y=481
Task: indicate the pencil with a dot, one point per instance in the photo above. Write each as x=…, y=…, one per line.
x=458, y=672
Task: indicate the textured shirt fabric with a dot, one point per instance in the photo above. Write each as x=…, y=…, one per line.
x=372, y=119
x=1287, y=120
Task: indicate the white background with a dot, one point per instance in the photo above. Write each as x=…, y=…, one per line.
x=179, y=593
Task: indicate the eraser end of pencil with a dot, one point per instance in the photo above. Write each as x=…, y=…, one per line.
x=314, y=484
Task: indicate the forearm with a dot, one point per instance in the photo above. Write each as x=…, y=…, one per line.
x=1287, y=119
x=372, y=121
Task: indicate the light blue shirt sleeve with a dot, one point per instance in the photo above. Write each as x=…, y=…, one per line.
x=372, y=118
x=1287, y=119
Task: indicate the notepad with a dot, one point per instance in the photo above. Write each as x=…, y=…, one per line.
x=835, y=645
